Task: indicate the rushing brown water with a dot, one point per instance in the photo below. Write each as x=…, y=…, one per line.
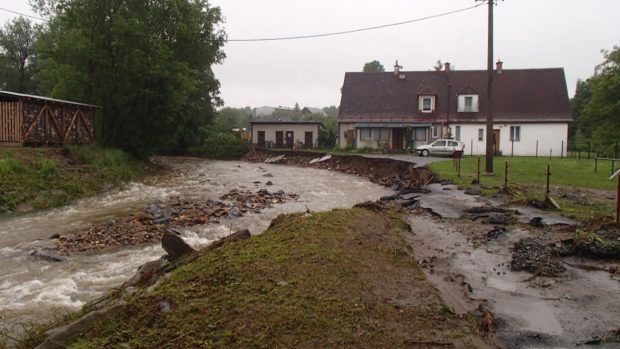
x=33, y=290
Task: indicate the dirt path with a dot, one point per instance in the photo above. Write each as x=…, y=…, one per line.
x=469, y=261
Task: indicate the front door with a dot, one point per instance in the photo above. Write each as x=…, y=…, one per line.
x=495, y=142
x=308, y=140
x=397, y=139
x=261, y=139
x=290, y=139
x=279, y=139
x=349, y=137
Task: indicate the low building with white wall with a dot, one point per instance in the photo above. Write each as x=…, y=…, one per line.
x=401, y=110
x=285, y=134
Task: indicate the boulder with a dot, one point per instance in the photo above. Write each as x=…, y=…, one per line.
x=174, y=245
x=239, y=235
x=147, y=274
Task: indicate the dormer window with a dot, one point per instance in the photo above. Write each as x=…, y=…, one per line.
x=426, y=104
x=468, y=104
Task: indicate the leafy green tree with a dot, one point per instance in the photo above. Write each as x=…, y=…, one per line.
x=373, y=66
x=331, y=111
x=17, y=53
x=598, y=104
x=148, y=64
x=228, y=118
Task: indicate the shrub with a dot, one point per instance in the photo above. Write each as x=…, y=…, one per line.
x=46, y=167
x=220, y=145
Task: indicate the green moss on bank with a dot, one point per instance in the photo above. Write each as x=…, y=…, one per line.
x=38, y=178
x=338, y=279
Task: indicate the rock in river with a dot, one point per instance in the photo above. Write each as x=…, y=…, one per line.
x=175, y=245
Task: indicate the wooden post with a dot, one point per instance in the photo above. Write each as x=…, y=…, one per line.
x=459, y=165
x=617, y=195
x=478, y=173
x=547, y=191
x=506, y=176
x=550, y=153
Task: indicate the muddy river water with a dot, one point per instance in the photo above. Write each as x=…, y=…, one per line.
x=32, y=289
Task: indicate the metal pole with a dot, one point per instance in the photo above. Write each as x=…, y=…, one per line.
x=595, y=164
x=471, y=151
x=490, y=136
x=537, y=148
x=562, y=150
x=550, y=153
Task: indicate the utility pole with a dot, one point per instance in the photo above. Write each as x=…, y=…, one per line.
x=490, y=135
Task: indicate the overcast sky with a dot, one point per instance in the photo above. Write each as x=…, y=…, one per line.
x=528, y=34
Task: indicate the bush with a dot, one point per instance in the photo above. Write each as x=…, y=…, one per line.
x=9, y=165
x=220, y=145
x=46, y=167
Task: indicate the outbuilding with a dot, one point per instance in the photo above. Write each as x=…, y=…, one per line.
x=30, y=119
x=285, y=134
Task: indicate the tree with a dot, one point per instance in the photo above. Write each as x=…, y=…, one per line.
x=17, y=45
x=597, y=102
x=439, y=65
x=374, y=66
x=148, y=64
x=331, y=111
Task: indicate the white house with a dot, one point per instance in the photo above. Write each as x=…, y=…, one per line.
x=401, y=110
x=285, y=134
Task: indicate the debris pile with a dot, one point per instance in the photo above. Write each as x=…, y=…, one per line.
x=602, y=243
x=148, y=226
x=533, y=255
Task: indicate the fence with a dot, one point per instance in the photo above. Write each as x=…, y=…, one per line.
x=590, y=150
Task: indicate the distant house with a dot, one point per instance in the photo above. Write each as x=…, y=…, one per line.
x=310, y=110
x=405, y=109
x=30, y=119
x=285, y=134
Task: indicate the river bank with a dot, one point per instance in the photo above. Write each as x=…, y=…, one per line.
x=343, y=278
x=46, y=177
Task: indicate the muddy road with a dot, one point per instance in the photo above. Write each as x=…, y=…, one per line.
x=568, y=302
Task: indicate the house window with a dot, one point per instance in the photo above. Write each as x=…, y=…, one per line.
x=515, y=133
x=426, y=104
x=435, y=131
x=365, y=134
x=468, y=103
x=374, y=133
x=419, y=134
x=480, y=135
x=457, y=134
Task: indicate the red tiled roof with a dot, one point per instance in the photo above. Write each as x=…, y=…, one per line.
x=527, y=95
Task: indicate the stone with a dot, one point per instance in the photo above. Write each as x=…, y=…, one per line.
x=537, y=222
x=234, y=212
x=267, y=175
x=165, y=307
x=48, y=255
x=147, y=274
x=472, y=191
x=174, y=245
x=269, y=183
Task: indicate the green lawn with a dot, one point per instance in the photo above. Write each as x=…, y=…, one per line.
x=530, y=170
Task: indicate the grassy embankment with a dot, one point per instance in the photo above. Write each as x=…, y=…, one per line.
x=344, y=279
x=578, y=190
x=37, y=178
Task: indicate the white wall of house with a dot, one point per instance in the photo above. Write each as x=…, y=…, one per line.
x=549, y=137
x=299, y=131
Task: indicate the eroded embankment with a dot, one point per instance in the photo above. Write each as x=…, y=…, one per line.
x=344, y=278
x=387, y=172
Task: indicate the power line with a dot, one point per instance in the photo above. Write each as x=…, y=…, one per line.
x=22, y=14
x=355, y=30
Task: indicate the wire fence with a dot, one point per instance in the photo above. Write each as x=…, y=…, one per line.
x=589, y=150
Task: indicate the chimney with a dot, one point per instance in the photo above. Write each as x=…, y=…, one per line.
x=397, y=68
x=446, y=67
x=499, y=66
